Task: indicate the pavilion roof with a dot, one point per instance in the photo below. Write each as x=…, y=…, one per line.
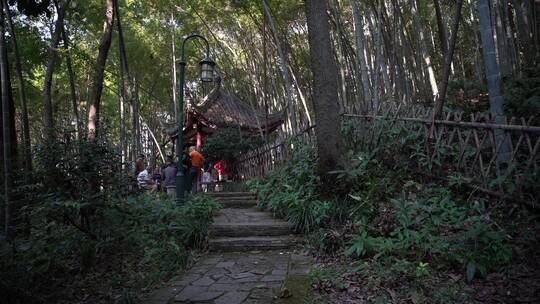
x=221, y=108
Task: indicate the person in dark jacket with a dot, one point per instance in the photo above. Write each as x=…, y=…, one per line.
x=169, y=180
x=186, y=166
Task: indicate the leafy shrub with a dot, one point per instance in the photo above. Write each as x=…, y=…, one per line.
x=326, y=278
x=522, y=95
x=292, y=191
x=78, y=181
x=327, y=240
x=466, y=95
x=75, y=169
x=307, y=215
x=79, y=222
x=394, y=216
x=434, y=227
x=168, y=231
x=226, y=143
x=196, y=216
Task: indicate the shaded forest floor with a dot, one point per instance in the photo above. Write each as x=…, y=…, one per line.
x=125, y=277
x=337, y=278
x=145, y=241
x=388, y=234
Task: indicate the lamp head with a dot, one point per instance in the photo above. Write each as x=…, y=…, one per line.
x=207, y=69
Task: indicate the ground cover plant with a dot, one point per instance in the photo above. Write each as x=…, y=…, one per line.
x=145, y=241
x=96, y=246
x=389, y=234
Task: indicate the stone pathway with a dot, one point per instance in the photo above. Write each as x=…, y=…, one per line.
x=260, y=269
x=234, y=278
x=240, y=226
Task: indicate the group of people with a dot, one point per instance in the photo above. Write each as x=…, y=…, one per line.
x=199, y=174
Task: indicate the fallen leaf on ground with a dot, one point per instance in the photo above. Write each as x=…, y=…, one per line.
x=284, y=293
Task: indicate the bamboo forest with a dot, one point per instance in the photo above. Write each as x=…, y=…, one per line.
x=269, y=151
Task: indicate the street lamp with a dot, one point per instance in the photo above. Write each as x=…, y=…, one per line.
x=207, y=69
x=207, y=75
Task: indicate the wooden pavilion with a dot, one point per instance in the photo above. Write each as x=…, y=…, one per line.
x=218, y=109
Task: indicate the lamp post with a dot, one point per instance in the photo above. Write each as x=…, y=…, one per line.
x=207, y=75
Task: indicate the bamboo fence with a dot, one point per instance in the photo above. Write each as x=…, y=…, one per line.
x=456, y=145
x=259, y=161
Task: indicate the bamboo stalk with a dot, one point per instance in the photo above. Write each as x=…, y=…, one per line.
x=154, y=138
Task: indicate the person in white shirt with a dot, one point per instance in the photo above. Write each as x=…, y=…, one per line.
x=206, y=179
x=145, y=181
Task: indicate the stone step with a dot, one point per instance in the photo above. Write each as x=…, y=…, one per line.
x=242, y=215
x=236, y=198
x=265, y=228
x=238, y=203
x=232, y=194
x=247, y=243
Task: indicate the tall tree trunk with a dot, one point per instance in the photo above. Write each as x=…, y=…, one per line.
x=137, y=100
x=6, y=128
x=525, y=43
x=48, y=117
x=407, y=53
x=133, y=140
x=121, y=47
x=283, y=67
x=3, y=205
x=493, y=76
x=378, y=70
x=97, y=89
x=124, y=74
x=448, y=62
x=423, y=48
x=22, y=94
x=74, y=103
x=173, y=67
x=121, y=94
x=508, y=35
x=339, y=55
x=300, y=94
x=265, y=81
x=359, y=33
x=500, y=39
x=441, y=29
x=536, y=26
x=477, y=52
x=252, y=100
x=392, y=44
x=401, y=63
x=135, y=127
x=379, y=47
x=390, y=52
x=122, y=124
x=325, y=94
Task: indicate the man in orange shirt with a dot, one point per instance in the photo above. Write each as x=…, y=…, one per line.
x=197, y=162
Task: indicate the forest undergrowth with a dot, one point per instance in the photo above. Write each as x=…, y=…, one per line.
x=383, y=233
x=79, y=245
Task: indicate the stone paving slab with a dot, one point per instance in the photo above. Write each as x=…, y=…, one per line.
x=280, y=242
x=235, y=278
x=247, y=215
x=232, y=194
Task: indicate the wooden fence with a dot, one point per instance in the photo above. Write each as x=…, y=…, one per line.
x=259, y=161
x=463, y=145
